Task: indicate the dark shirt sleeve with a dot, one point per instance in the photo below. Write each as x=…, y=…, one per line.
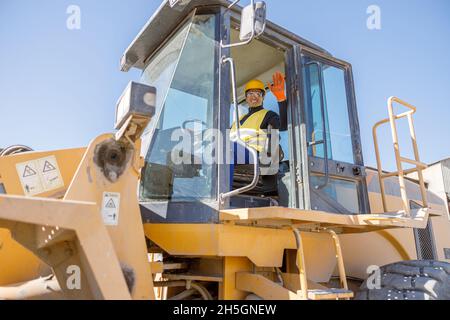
x=283, y=115
x=276, y=121
x=272, y=119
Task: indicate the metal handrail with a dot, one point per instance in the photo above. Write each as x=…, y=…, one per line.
x=301, y=263
x=239, y=141
x=301, y=259
x=398, y=158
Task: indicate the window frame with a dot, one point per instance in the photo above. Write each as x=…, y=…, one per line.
x=316, y=165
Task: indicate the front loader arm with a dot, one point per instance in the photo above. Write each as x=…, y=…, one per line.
x=84, y=232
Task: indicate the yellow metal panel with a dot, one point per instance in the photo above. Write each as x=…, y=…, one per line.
x=92, y=235
x=345, y=223
x=157, y=267
x=376, y=248
x=262, y=246
x=292, y=282
x=68, y=161
x=18, y=264
x=222, y=240
x=441, y=232
x=90, y=184
x=227, y=289
x=263, y=287
x=102, y=252
x=173, y=238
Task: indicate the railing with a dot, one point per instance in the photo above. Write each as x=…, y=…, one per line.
x=253, y=152
x=400, y=173
x=304, y=292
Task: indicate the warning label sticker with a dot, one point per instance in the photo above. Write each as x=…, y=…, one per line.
x=110, y=208
x=28, y=172
x=29, y=178
x=39, y=176
x=49, y=171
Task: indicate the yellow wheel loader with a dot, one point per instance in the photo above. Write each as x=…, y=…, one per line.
x=151, y=212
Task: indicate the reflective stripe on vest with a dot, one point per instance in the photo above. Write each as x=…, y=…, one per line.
x=251, y=132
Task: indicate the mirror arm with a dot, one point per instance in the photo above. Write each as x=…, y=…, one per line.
x=243, y=43
x=233, y=4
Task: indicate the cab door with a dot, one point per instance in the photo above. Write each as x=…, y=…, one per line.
x=333, y=163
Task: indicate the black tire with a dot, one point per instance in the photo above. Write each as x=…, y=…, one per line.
x=410, y=280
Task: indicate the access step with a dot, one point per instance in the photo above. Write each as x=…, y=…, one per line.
x=330, y=294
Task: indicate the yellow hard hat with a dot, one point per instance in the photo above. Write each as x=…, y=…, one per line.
x=255, y=84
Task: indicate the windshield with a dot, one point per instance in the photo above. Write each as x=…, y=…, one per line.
x=174, y=142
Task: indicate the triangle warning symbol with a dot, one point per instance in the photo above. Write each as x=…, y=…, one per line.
x=110, y=204
x=48, y=167
x=28, y=172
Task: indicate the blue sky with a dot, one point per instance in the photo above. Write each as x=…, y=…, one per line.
x=58, y=87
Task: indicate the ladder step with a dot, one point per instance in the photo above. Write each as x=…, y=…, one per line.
x=396, y=173
x=414, y=162
x=330, y=294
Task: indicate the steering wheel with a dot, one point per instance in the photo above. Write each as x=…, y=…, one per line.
x=206, y=139
x=184, y=125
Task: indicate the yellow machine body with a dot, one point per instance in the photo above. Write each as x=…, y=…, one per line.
x=71, y=221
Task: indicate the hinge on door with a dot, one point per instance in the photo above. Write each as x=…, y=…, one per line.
x=298, y=175
x=295, y=84
x=294, y=87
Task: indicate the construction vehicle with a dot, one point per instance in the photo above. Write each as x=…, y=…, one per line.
x=120, y=220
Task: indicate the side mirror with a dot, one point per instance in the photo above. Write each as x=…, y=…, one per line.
x=253, y=21
x=135, y=109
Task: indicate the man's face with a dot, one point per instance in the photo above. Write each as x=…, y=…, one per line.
x=254, y=98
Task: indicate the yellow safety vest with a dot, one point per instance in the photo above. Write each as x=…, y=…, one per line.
x=251, y=132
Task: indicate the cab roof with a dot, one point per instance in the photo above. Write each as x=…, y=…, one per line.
x=166, y=19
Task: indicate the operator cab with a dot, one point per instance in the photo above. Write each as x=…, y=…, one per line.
x=187, y=53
